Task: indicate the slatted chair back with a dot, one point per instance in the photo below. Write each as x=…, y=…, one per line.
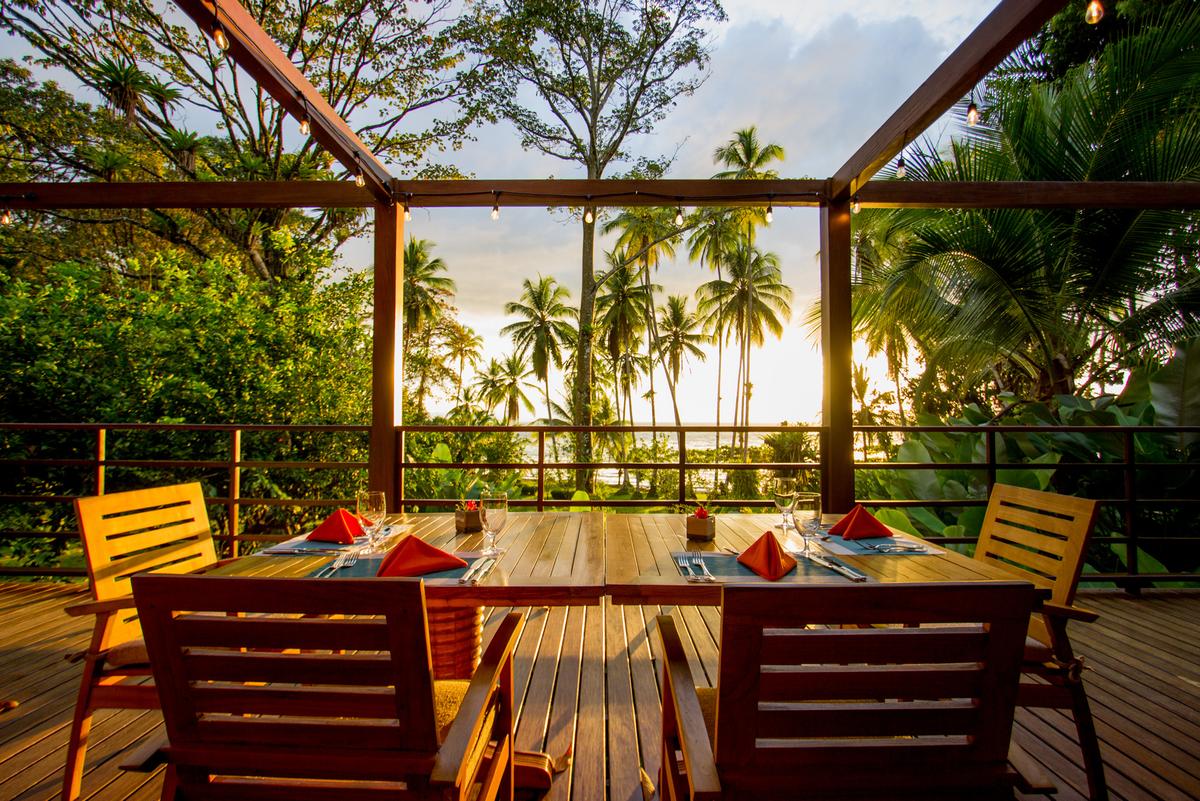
x=1039, y=536
x=874, y=711
x=162, y=529
x=356, y=704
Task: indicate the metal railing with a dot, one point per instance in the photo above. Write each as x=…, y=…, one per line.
x=91, y=467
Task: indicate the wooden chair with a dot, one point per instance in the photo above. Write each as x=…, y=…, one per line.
x=1042, y=537
x=356, y=714
x=164, y=529
x=871, y=712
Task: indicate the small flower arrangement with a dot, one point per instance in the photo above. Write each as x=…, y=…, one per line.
x=701, y=525
x=466, y=517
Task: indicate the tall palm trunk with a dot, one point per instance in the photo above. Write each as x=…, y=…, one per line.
x=549, y=414
x=720, y=361
x=746, y=397
x=582, y=391
x=651, y=340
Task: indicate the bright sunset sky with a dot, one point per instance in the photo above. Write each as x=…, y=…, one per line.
x=817, y=77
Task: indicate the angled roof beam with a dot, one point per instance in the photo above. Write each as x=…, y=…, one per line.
x=252, y=49
x=1012, y=22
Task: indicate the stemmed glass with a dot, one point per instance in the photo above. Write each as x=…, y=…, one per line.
x=783, y=491
x=493, y=511
x=808, y=510
x=372, y=507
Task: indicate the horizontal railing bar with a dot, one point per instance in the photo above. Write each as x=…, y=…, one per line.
x=1020, y=465
x=1029, y=429
x=533, y=502
x=672, y=466
x=567, y=429
x=42, y=571
x=226, y=427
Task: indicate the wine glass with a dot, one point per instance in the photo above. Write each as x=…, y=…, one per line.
x=372, y=507
x=783, y=492
x=493, y=511
x=807, y=510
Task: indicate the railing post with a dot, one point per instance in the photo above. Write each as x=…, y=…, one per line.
x=101, y=455
x=541, y=471
x=682, y=469
x=235, y=489
x=837, y=407
x=399, y=469
x=989, y=450
x=1130, y=508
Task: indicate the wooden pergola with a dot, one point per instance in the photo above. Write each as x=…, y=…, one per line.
x=999, y=34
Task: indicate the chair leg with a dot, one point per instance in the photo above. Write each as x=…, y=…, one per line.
x=81, y=727
x=1093, y=762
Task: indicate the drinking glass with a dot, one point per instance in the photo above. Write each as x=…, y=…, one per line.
x=493, y=511
x=372, y=507
x=807, y=512
x=783, y=492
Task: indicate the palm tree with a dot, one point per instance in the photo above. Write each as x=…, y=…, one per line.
x=1046, y=302
x=425, y=290
x=489, y=386
x=512, y=386
x=623, y=310
x=544, y=332
x=745, y=157
x=751, y=301
x=464, y=346
x=648, y=233
x=679, y=338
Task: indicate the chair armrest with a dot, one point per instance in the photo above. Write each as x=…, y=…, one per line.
x=1071, y=612
x=468, y=723
x=101, y=607
x=702, y=776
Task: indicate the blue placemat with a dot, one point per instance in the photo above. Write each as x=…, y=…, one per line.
x=725, y=566
x=368, y=566
x=293, y=546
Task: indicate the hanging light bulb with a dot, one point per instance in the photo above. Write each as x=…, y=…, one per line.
x=5, y=217
x=855, y=205
x=220, y=37
x=1094, y=12
x=496, y=206
x=360, y=180
x=901, y=168
x=678, y=216
x=972, y=113
x=407, y=210
x=305, y=127
x=770, y=216
x=588, y=217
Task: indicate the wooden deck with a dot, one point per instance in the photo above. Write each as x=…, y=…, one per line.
x=588, y=676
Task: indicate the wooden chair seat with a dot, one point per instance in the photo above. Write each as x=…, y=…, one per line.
x=164, y=529
x=1042, y=537
x=312, y=690
x=803, y=707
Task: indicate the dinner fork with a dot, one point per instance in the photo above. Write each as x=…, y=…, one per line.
x=345, y=559
x=686, y=569
x=894, y=547
x=698, y=561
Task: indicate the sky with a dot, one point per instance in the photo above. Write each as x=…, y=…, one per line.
x=815, y=76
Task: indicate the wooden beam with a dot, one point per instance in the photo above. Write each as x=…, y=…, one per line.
x=1012, y=22
x=186, y=195
x=1031, y=195
x=837, y=408
x=699, y=192
x=387, y=368
x=255, y=52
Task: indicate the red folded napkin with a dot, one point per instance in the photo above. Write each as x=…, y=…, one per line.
x=415, y=557
x=341, y=526
x=860, y=524
x=767, y=559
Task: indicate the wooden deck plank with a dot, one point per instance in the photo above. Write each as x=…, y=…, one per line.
x=589, y=679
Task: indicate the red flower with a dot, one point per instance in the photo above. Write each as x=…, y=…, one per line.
x=471, y=506
x=701, y=513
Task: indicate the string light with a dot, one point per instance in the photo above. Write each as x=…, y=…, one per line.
x=855, y=205
x=1094, y=12
x=972, y=113
x=770, y=216
x=407, y=210
x=588, y=216
x=901, y=168
x=305, y=127
x=496, y=206
x=360, y=180
x=218, y=33
x=679, y=216
x=5, y=217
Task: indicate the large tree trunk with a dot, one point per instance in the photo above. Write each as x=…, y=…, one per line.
x=582, y=391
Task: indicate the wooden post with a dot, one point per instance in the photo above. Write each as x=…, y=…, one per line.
x=101, y=456
x=387, y=368
x=837, y=352
x=235, y=489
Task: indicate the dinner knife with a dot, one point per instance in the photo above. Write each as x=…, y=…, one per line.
x=472, y=570
x=838, y=567
x=484, y=571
